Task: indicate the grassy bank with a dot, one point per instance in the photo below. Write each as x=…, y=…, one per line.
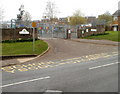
x=110, y=35
x=23, y=48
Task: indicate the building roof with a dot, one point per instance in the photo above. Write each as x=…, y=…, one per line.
x=117, y=13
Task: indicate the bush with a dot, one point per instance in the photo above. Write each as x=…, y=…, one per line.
x=99, y=34
x=19, y=40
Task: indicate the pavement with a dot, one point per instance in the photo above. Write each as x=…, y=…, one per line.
x=61, y=48
x=100, y=42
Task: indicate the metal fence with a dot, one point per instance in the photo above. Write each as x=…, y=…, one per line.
x=67, y=31
x=52, y=31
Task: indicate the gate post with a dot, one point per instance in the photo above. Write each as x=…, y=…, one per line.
x=79, y=33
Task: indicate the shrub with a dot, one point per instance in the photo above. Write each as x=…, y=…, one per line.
x=19, y=40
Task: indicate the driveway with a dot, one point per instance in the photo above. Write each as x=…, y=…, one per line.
x=65, y=49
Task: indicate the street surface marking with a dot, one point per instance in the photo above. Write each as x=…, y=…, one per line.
x=24, y=81
x=52, y=92
x=103, y=65
x=49, y=64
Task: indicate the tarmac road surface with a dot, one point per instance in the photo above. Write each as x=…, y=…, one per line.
x=99, y=75
x=68, y=67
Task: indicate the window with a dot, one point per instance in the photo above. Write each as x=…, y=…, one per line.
x=115, y=18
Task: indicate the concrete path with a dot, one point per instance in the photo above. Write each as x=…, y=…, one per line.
x=100, y=42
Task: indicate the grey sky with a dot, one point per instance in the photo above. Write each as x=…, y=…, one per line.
x=66, y=7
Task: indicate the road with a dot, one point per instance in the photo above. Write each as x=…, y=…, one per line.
x=63, y=49
x=95, y=71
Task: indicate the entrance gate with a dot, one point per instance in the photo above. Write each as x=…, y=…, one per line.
x=52, y=31
x=73, y=31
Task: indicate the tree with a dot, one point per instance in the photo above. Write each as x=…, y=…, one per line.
x=77, y=18
x=107, y=17
x=26, y=19
x=19, y=20
x=50, y=10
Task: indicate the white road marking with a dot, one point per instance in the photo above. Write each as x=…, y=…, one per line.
x=52, y=92
x=103, y=65
x=24, y=81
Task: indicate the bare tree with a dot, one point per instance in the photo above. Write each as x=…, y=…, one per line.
x=26, y=19
x=50, y=10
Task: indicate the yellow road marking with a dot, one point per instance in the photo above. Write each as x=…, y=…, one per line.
x=8, y=69
x=23, y=69
x=40, y=65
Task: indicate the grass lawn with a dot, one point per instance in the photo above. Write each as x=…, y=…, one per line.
x=23, y=48
x=110, y=35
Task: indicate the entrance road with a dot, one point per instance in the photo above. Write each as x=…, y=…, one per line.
x=64, y=49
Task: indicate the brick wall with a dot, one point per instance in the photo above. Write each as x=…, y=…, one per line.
x=100, y=30
x=9, y=34
x=119, y=23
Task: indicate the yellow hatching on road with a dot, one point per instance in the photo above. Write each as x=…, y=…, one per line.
x=42, y=65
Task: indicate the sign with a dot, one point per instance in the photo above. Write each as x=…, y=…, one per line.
x=34, y=24
x=22, y=25
x=93, y=29
x=87, y=30
x=82, y=32
x=69, y=31
x=24, y=31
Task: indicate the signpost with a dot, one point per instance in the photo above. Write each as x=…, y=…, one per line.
x=34, y=24
x=24, y=31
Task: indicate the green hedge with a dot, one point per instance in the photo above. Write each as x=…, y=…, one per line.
x=18, y=40
x=99, y=34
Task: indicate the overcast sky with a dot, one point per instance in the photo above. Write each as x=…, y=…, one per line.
x=66, y=7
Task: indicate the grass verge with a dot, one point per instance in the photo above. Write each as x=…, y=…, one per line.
x=110, y=35
x=23, y=48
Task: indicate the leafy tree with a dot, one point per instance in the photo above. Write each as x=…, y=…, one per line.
x=24, y=17
x=107, y=17
x=77, y=18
